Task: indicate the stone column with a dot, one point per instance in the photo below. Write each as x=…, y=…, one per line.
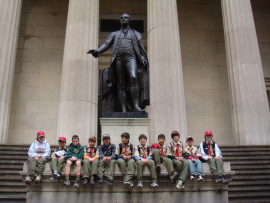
x=167, y=111
x=10, y=12
x=250, y=110
x=79, y=86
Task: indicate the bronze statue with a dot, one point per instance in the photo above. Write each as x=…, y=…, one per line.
x=126, y=81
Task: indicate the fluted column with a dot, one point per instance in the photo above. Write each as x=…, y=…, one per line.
x=10, y=12
x=250, y=110
x=79, y=86
x=167, y=111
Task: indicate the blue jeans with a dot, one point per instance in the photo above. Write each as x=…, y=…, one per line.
x=195, y=166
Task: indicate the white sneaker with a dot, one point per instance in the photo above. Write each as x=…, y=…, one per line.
x=179, y=184
x=38, y=179
x=192, y=177
x=200, y=177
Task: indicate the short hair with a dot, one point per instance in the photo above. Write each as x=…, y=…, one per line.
x=75, y=137
x=92, y=139
x=142, y=136
x=175, y=133
x=161, y=136
x=126, y=135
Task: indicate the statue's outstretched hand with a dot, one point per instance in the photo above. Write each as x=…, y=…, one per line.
x=94, y=52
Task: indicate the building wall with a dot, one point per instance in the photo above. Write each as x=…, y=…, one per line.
x=37, y=76
x=205, y=70
x=261, y=15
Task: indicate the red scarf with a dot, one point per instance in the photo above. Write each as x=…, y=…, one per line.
x=177, y=151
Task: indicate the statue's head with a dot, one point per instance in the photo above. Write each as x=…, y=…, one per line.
x=125, y=19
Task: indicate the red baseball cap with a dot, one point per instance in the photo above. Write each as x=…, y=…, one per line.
x=40, y=134
x=155, y=146
x=208, y=133
x=63, y=139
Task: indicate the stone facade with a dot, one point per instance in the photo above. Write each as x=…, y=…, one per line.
x=206, y=90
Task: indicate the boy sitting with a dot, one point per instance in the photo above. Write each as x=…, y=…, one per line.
x=143, y=156
x=159, y=155
x=124, y=153
x=58, y=159
x=212, y=155
x=38, y=153
x=91, y=160
x=192, y=154
x=74, y=156
x=107, y=158
x=174, y=152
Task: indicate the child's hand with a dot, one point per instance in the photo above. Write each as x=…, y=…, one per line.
x=109, y=159
x=179, y=158
x=55, y=158
x=36, y=158
x=39, y=155
x=62, y=157
x=210, y=157
x=126, y=157
x=104, y=159
x=91, y=160
x=216, y=158
x=144, y=160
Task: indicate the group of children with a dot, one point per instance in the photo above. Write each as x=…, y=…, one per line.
x=177, y=158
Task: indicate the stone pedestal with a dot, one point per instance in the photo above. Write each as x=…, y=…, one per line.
x=79, y=86
x=9, y=26
x=167, y=110
x=116, y=126
x=250, y=110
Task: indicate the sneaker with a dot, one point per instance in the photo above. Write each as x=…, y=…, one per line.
x=92, y=181
x=100, y=180
x=53, y=179
x=28, y=179
x=125, y=182
x=130, y=183
x=158, y=169
x=154, y=184
x=174, y=177
x=56, y=174
x=200, y=178
x=85, y=181
x=179, y=184
x=192, y=177
x=224, y=180
x=217, y=179
x=109, y=182
x=140, y=184
x=77, y=183
x=66, y=182
x=38, y=179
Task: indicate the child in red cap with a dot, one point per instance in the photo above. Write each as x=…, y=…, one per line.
x=58, y=159
x=211, y=153
x=38, y=153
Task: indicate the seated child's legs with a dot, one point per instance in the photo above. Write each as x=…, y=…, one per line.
x=101, y=168
x=199, y=167
x=122, y=165
x=191, y=167
x=60, y=165
x=219, y=165
x=111, y=167
x=156, y=156
x=78, y=168
x=31, y=165
x=140, y=166
x=40, y=165
x=94, y=167
x=130, y=168
x=212, y=165
x=68, y=167
x=53, y=164
x=152, y=168
x=184, y=172
x=168, y=164
x=86, y=168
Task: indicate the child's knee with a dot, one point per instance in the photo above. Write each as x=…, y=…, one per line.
x=69, y=163
x=78, y=163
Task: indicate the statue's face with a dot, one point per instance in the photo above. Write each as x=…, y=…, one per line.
x=125, y=19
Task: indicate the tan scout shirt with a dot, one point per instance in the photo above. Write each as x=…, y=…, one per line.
x=125, y=150
x=189, y=151
x=171, y=148
x=141, y=152
x=93, y=154
x=162, y=148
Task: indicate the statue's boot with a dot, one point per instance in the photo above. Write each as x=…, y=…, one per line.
x=135, y=97
x=122, y=97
